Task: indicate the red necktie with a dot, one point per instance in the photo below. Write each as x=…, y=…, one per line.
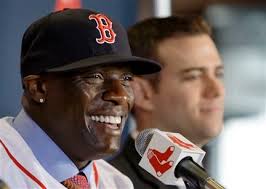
x=78, y=181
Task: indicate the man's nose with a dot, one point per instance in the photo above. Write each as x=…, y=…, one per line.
x=116, y=93
x=214, y=87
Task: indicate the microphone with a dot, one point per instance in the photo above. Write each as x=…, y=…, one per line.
x=3, y=185
x=167, y=156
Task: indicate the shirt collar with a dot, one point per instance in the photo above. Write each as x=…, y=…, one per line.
x=50, y=156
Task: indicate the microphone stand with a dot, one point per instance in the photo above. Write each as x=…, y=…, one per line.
x=195, y=175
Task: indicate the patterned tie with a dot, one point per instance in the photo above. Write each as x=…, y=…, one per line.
x=78, y=181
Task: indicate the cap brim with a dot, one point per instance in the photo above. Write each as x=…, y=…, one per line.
x=138, y=66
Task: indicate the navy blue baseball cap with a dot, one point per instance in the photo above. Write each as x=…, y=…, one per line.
x=74, y=39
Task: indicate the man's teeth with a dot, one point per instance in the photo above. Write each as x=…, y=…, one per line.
x=107, y=119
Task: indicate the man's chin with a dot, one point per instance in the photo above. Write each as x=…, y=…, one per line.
x=111, y=149
x=107, y=153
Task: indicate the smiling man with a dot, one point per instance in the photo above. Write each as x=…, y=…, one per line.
x=76, y=69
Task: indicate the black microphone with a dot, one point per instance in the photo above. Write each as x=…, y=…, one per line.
x=3, y=185
x=156, y=149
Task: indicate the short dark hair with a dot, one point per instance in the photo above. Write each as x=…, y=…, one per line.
x=147, y=34
x=144, y=35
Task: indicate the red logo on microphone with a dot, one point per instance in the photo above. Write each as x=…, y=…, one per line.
x=180, y=142
x=159, y=160
x=104, y=26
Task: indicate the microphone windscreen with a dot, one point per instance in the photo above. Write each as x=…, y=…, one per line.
x=143, y=139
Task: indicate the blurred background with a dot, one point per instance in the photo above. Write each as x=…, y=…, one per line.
x=237, y=157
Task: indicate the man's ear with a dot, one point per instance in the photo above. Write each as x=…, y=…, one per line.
x=35, y=88
x=143, y=92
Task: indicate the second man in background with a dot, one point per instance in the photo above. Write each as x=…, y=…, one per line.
x=187, y=96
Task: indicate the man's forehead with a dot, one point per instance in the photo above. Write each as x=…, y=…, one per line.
x=185, y=67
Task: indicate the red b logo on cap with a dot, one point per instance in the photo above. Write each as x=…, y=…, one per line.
x=104, y=26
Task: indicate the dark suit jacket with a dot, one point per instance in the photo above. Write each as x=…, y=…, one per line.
x=127, y=162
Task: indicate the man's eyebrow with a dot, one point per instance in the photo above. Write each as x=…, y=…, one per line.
x=201, y=69
x=187, y=70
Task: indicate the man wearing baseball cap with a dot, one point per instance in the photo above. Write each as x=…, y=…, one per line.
x=76, y=70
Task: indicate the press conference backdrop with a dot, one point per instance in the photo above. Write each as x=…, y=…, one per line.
x=15, y=16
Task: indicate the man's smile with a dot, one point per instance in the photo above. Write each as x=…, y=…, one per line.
x=110, y=122
x=106, y=119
